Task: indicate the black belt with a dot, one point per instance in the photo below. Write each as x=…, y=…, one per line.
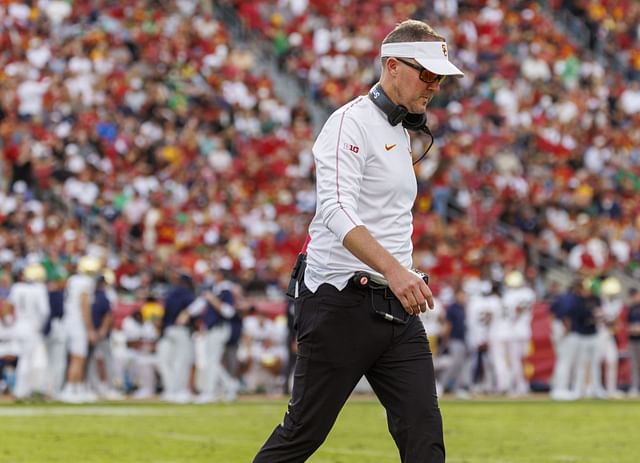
x=362, y=280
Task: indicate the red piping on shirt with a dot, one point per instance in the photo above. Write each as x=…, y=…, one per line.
x=337, y=164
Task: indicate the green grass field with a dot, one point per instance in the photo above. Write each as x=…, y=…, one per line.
x=475, y=432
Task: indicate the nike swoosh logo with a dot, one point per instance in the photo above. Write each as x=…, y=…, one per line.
x=389, y=147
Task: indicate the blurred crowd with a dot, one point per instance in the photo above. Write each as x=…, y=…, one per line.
x=541, y=134
x=146, y=137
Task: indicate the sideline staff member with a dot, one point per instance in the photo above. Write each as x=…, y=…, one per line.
x=366, y=188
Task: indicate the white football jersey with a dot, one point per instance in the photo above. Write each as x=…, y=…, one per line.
x=76, y=286
x=31, y=303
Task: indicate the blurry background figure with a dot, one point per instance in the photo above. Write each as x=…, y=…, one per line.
x=262, y=352
x=213, y=308
x=30, y=303
x=518, y=299
x=55, y=336
x=455, y=376
x=433, y=322
x=175, y=348
x=565, y=341
x=140, y=363
x=500, y=337
x=480, y=309
x=608, y=326
x=633, y=319
x=584, y=318
x=242, y=308
x=9, y=347
x=79, y=329
x=8, y=343
x=100, y=370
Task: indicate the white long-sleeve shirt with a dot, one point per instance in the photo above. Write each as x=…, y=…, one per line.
x=365, y=176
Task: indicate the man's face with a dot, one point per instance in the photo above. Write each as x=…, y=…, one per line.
x=413, y=91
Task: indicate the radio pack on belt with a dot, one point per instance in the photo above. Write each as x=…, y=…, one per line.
x=297, y=276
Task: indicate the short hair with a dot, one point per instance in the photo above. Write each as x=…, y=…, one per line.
x=412, y=30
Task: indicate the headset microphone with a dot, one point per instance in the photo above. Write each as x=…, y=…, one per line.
x=416, y=122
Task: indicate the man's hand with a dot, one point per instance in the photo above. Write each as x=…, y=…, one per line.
x=183, y=318
x=411, y=290
x=213, y=300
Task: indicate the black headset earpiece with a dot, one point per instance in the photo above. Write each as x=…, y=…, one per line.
x=397, y=113
x=415, y=121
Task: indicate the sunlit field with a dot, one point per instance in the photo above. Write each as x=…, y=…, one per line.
x=484, y=431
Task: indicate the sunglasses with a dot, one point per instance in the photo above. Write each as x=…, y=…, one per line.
x=425, y=75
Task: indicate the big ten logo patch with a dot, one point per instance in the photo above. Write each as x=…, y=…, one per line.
x=352, y=148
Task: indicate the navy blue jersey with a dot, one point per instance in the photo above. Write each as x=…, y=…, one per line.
x=176, y=301
x=56, y=304
x=99, y=307
x=633, y=316
x=211, y=316
x=236, y=330
x=561, y=305
x=582, y=314
x=455, y=316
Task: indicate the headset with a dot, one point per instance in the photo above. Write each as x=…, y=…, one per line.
x=416, y=122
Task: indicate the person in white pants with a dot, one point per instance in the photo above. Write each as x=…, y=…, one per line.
x=457, y=375
x=100, y=370
x=56, y=338
x=500, y=335
x=262, y=352
x=518, y=299
x=30, y=302
x=140, y=360
x=565, y=341
x=79, y=329
x=175, y=348
x=612, y=305
x=588, y=373
x=213, y=308
x=633, y=322
x=480, y=310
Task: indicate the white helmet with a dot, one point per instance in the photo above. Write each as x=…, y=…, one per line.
x=514, y=279
x=34, y=272
x=89, y=264
x=611, y=286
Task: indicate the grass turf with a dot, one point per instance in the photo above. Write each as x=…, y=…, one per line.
x=475, y=432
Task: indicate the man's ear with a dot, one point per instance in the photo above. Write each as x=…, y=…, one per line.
x=392, y=66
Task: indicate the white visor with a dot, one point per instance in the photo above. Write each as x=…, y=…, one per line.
x=433, y=56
